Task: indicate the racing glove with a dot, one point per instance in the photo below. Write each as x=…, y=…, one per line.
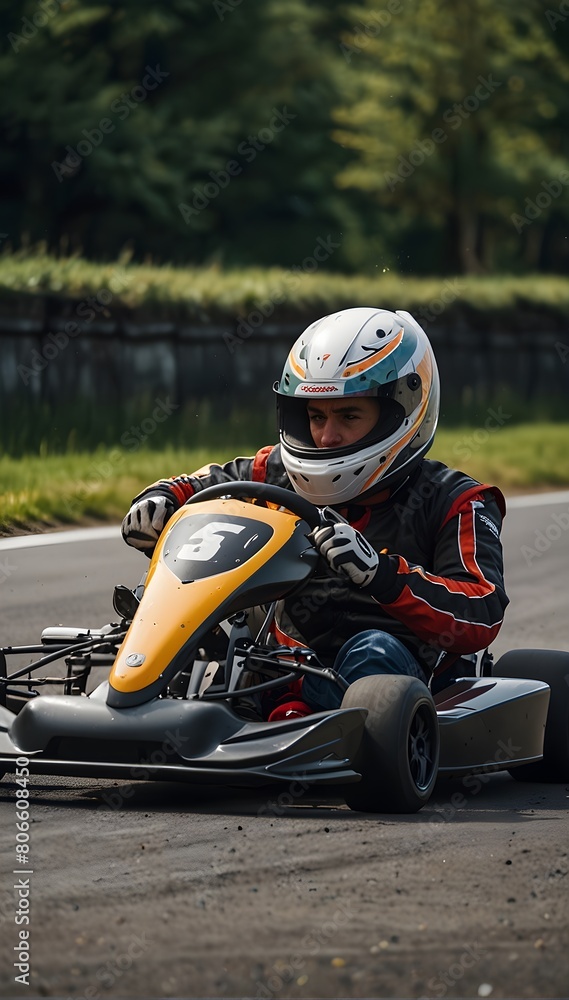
x=145, y=521
x=347, y=552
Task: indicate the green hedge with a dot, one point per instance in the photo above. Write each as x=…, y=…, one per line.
x=209, y=293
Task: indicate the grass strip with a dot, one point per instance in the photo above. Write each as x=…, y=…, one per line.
x=204, y=294
x=43, y=491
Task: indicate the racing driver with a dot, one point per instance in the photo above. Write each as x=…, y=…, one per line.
x=411, y=575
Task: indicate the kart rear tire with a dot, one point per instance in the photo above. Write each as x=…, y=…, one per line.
x=552, y=667
x=398, y=758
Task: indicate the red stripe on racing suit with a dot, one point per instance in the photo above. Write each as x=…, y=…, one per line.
x=462, y=612
x=259, y=468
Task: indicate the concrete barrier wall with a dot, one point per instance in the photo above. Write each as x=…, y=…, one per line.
x=122, y=360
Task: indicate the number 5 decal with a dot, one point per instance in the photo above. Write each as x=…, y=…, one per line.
x=205, y=543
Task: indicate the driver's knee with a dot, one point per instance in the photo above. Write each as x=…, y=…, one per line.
x=375, y=652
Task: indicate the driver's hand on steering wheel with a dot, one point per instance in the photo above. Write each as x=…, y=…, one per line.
x=145, y=522
x=347, y=552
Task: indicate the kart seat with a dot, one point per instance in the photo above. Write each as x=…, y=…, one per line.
x=290, y=710
x=450, y=668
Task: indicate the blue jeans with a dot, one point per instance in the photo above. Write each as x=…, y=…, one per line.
x=371, y=652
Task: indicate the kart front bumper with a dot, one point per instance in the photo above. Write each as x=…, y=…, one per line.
x=485, y=725
x=195, y=741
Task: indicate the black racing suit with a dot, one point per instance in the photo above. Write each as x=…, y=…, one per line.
x=439, y=586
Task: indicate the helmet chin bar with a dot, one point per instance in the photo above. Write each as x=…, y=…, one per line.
x=342, y=482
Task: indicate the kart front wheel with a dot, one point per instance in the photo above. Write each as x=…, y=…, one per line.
x=398, y=757
x=552, y=667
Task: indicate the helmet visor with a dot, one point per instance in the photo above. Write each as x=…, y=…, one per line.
x=397, y=401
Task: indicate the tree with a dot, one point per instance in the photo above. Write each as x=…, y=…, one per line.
x=187, y=130
x=453, y=120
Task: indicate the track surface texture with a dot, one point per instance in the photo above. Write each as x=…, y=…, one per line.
x=164, y=890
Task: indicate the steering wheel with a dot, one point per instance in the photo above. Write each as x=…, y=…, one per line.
x=263, y=491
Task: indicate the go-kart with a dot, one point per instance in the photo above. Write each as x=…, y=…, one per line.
x=196, y=671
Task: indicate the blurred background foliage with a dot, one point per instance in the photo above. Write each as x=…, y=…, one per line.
x=359, y=97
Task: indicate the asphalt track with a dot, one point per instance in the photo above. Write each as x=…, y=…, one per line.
x=162, y=890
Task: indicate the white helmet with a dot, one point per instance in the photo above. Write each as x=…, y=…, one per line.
x=355, y=352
